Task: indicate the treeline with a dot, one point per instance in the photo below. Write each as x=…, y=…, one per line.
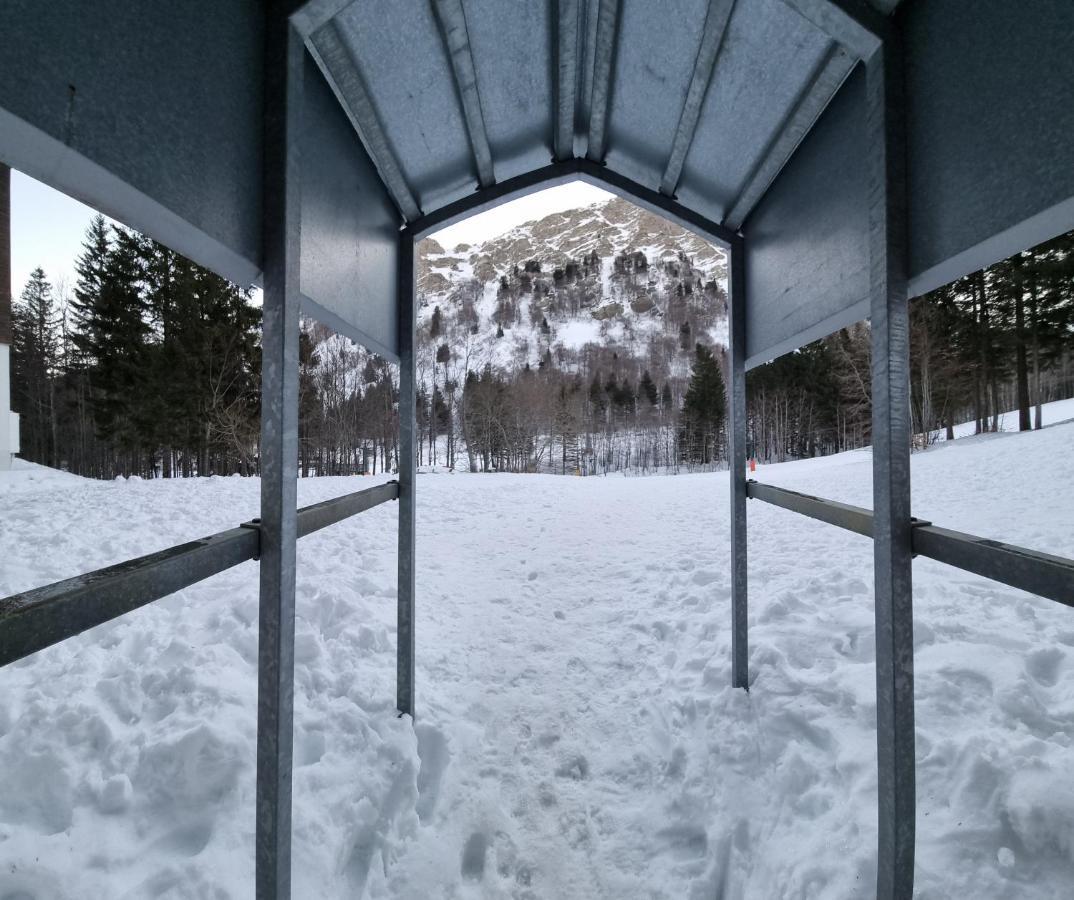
x=999, y=339
x=553, y=420
x=149, y=367
x=348, y=419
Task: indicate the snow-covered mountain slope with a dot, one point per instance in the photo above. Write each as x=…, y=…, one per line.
x=610, y=275
x=576, y=732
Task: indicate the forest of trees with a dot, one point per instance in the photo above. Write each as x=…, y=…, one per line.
x=996, y=340
x=149, y=365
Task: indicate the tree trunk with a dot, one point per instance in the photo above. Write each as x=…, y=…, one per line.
x=1021, y=369
x=1035, y=345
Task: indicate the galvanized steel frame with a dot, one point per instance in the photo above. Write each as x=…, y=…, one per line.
x=284, y=75
x=575, y=169
x=1038, y=573
x=43, y=617
x=737, y=470
x=892, y=553
x=48, y=615
x=408, y=467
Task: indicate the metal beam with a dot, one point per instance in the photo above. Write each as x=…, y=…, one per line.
x=739, y=593
x=842, y=515
x=854, y=24
x=47, y=615
x=334, y=59
x=39, y=618
x=892, y=543
x=603, y=67
x=564, y=173
x=408, y=462
x=719, y=13
x=328, y=512
x=314, y=14
x=1028, y=570
x=452, y=23
x=567, y=12
x=822, y=85
x=281, y=208
x=5, y=294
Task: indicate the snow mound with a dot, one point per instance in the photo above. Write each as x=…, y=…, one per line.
x=26, y=477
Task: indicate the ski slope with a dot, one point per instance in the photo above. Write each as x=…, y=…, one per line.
x=576, y=735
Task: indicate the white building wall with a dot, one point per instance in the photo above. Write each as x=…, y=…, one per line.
x=9, y=422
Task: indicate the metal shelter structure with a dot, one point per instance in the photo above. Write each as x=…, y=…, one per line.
x=847, y=154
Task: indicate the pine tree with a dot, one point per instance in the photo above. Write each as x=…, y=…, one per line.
x=597, y=402
x=704, y=409
x=116, y=332
x=90, y=267
x=35, y=361
x=647, y=388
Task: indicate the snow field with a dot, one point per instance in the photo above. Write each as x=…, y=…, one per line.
x=576, y=735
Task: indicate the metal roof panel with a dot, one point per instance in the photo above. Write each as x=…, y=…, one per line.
x=658, y=45
x=401, y=57
x=768, y=56
x=513, y=53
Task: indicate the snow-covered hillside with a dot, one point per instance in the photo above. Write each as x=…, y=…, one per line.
x=576, y=735
x=664, y=276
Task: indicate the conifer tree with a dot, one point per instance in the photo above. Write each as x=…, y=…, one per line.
x=647, y=388
x=35, y=361
x=118, y=333
x=90, y=268
x=704, y=409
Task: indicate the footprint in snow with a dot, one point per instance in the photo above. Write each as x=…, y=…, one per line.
x=1044, y=664
x=473, y=857
x=575, y=767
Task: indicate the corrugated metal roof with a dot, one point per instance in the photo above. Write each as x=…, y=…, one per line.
x=701, y=99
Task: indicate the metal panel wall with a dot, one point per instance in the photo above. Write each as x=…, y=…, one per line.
x=350, y=227
x=990, y=169
x=807, y=254
x=151, y=114
x=990, y=127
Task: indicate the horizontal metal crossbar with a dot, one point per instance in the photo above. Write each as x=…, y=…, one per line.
x=44, y=616
x=1039, y=573
x=564, y=172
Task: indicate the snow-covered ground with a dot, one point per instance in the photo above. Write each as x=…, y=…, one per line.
x=1050, y=414
x=28, y=477
x=576, y=735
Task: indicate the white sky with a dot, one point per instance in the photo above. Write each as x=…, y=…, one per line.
x=47, y=227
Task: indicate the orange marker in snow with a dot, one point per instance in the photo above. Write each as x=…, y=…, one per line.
x=753, y=463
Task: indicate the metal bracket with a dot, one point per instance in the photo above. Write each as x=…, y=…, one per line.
x=917, y=523
x=254, y=525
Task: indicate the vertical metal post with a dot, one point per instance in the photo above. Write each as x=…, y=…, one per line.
x=737, y=329
x=892, y=555
x=283, y=70
x=407, y=470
